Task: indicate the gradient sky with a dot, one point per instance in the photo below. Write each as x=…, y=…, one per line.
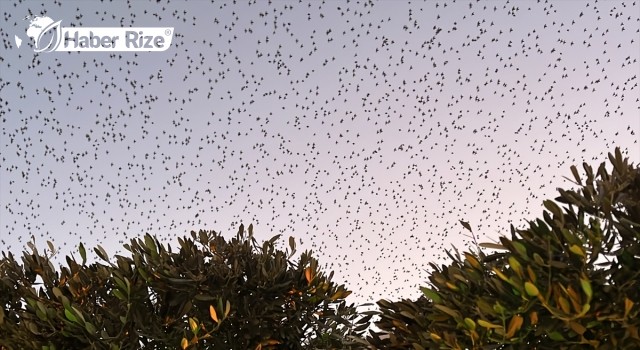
x=366, y=130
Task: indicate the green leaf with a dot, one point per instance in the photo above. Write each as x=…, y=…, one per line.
x=70, y=316
x=487, y=324
x=531, y=289
x=577, y=250
x=431, y=294
x=553, y=208
x=150, y=242
x=90, y=328
x=515, y=265
x=118, y=294
x=449, y=311
x=193, y=324
x=556, y=336
x=521, y=249
x=469, y=323
x=538, y=259
x=586, y=287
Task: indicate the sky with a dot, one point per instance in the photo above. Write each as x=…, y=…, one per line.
x=366, y=130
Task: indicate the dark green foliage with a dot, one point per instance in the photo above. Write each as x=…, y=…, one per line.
x=211, y=293
x=569, y=281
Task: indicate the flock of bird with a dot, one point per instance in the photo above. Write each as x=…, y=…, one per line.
x=365, y=129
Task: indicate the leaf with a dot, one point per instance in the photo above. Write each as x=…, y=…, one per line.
x=577, y=327
x=538, y=259
x=57, y=292
x=520, y=249
x=493, y=246
x=227, y=309
x=102, y=254
x=90, y=328
x=292, y=245
x=532, y=274
x=466, y=225
x=400, y=325
x=452, y=286
x=453, y=313
x=487, y=324
x=469, y=323
x=70, y=316
x=553, y=208
x=586, y=287
x=204, y=297
x=473, y=261
x=51, y=247
x=308, y=275
x=531, y=289
x=515, y=265
x=202, y=236
x=556, y=336
x=585, y=309
x=564, y=304
x=628, y=305
x=577, y=250
x=417, y=346
x=435, y=337
x=500, y=274
x=83, y=253
x=431, y=294
x=118, y=294
x=193, y=325
x=213, y=314
x=533, y=318
x=574, y=171
x=271, y=342
x=149, y=241
x=514, y=325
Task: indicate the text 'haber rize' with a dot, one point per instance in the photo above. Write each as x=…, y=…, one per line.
x=132, y=39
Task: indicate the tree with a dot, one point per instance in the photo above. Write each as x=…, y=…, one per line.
x=571, y=280
x=211, y=293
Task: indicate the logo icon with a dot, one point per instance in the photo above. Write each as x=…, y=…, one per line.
x=40, y=29
x=48, y=35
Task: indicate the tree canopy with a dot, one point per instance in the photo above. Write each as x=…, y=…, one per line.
x=211, y=293
x=570, y=280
